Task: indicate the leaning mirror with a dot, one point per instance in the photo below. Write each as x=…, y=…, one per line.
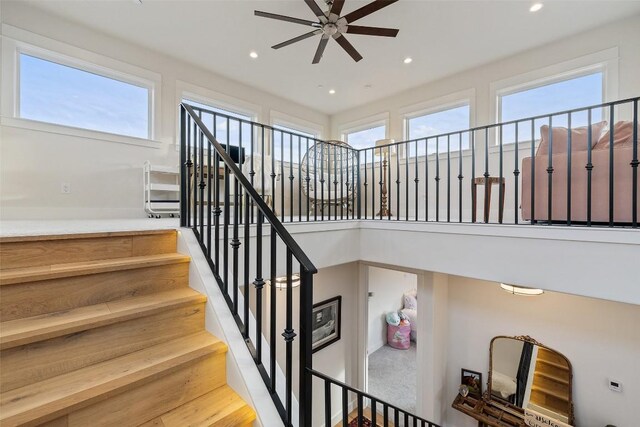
x=530, y=376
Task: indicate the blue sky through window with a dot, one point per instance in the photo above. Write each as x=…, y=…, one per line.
x=55, y=93
x=564, y=95
x=445, y=121
x=290, y=140
x=366, y=138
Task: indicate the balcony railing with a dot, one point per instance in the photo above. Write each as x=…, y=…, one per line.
x=580, y=174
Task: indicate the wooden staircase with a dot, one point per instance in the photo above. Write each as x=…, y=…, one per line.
x=550, y=387
x=103, y=330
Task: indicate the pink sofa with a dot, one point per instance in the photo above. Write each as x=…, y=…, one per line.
x=622, y=179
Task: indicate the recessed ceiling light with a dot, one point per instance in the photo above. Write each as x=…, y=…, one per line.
x=253, y=54
x=408, y=60
x=332, y=91
x=520, y=290
x=535, y=7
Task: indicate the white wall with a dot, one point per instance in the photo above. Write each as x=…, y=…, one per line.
x=600, y=339
x=105, y=176
x=387, y=287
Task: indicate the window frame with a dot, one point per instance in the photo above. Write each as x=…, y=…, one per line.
x=437, y=105
x=605, y=62
x=59, y=53
x=365, y=124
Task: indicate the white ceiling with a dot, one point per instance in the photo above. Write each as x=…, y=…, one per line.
x=442, y=37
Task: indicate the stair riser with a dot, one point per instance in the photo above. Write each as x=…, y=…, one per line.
x=41, y=360
x=549, y=384
x=144, y=403
x=49, y=296
x=551, y=357
x=548, y=401
x=49, y=252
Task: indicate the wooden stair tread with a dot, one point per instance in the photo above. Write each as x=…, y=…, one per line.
x=32, y=274
x=221, y=407
x=56, y=396
x=554, y=364
x=73, y=236
x=552, y=378
x=543, y=390
x=26, y=330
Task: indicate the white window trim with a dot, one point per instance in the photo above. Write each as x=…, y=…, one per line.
x=278, y=118
x=605, y=61
x=436, y=105
x=16, y=41
x=381, y=119
x=216, y=99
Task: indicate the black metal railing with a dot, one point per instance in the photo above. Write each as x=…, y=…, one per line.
x=570, y=182
x=451, y=176
x=366, y=405
x=217, y=203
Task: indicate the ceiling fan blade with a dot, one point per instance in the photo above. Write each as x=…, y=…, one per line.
x=372, y=31
x=336, y=7
x=316, y=9
x=321, y=46
x=296, y=39
x=342, y=41
x=286, y=18
x=368, y=9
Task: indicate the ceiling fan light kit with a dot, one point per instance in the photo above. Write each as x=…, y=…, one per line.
x=331, y=25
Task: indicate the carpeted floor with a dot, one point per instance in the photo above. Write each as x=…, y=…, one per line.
x=392, y=376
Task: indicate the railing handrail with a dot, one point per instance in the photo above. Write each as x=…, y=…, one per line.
x=366, y=395
x=279, y=228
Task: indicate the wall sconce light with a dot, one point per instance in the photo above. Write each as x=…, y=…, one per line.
x=281, y=282
x=521, y=290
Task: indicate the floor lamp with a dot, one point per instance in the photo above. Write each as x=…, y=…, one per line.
x=384, y=210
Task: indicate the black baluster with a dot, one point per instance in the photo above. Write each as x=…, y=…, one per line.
x=516, y=174
x=238, y=187
x=258, y=282
x=226, y=217
x=360, y=402
x=406, y=183
x=335, y=182
x=306, y=352
x=474, y=196
x=322, y=180
x=327, y=403
x=247, y=280
x=299, y=182
x=437, y=179
x=307, y=179
x=216, y=214
x=406, y=419
x=235, y=244
x=426, y=179
x=374, y=414
x=196, y=172
x=460, y=177
x=289, y=335
x=373, y=183
x=550, y=173
x=487, y=184
x=611, y=175
x=365, y=184
x=209, y=190
x=569, y=168
x=282, y=173
x=533, y=171
x=448, y=178
x=417, y=181
x=389, y=198
x=345, y=407
x=291, y=178
x=252, y=172
x=382, y=182
x=273, y=170
x=315, y=179
x=189, y=177
x=202, y=183
x=500, y=180
x=273, y=309
x=184, y=171
x=385, y=414
x=634, y=166
x=342, y=183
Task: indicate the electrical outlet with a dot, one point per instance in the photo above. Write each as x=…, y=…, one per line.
x=65, y=188
x=615, y=385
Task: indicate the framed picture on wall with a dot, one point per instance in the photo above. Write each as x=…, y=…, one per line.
x=473, y=380
x=326, y=323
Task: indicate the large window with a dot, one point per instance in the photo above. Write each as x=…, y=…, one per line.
x=225, y=129
x=565, y=94
x=63, y=95
x=365, y=138
x=438, y=123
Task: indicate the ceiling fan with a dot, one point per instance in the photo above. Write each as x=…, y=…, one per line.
x=331, y=25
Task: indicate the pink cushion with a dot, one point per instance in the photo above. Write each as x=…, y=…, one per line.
x=560, y=135
x=622, y=136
